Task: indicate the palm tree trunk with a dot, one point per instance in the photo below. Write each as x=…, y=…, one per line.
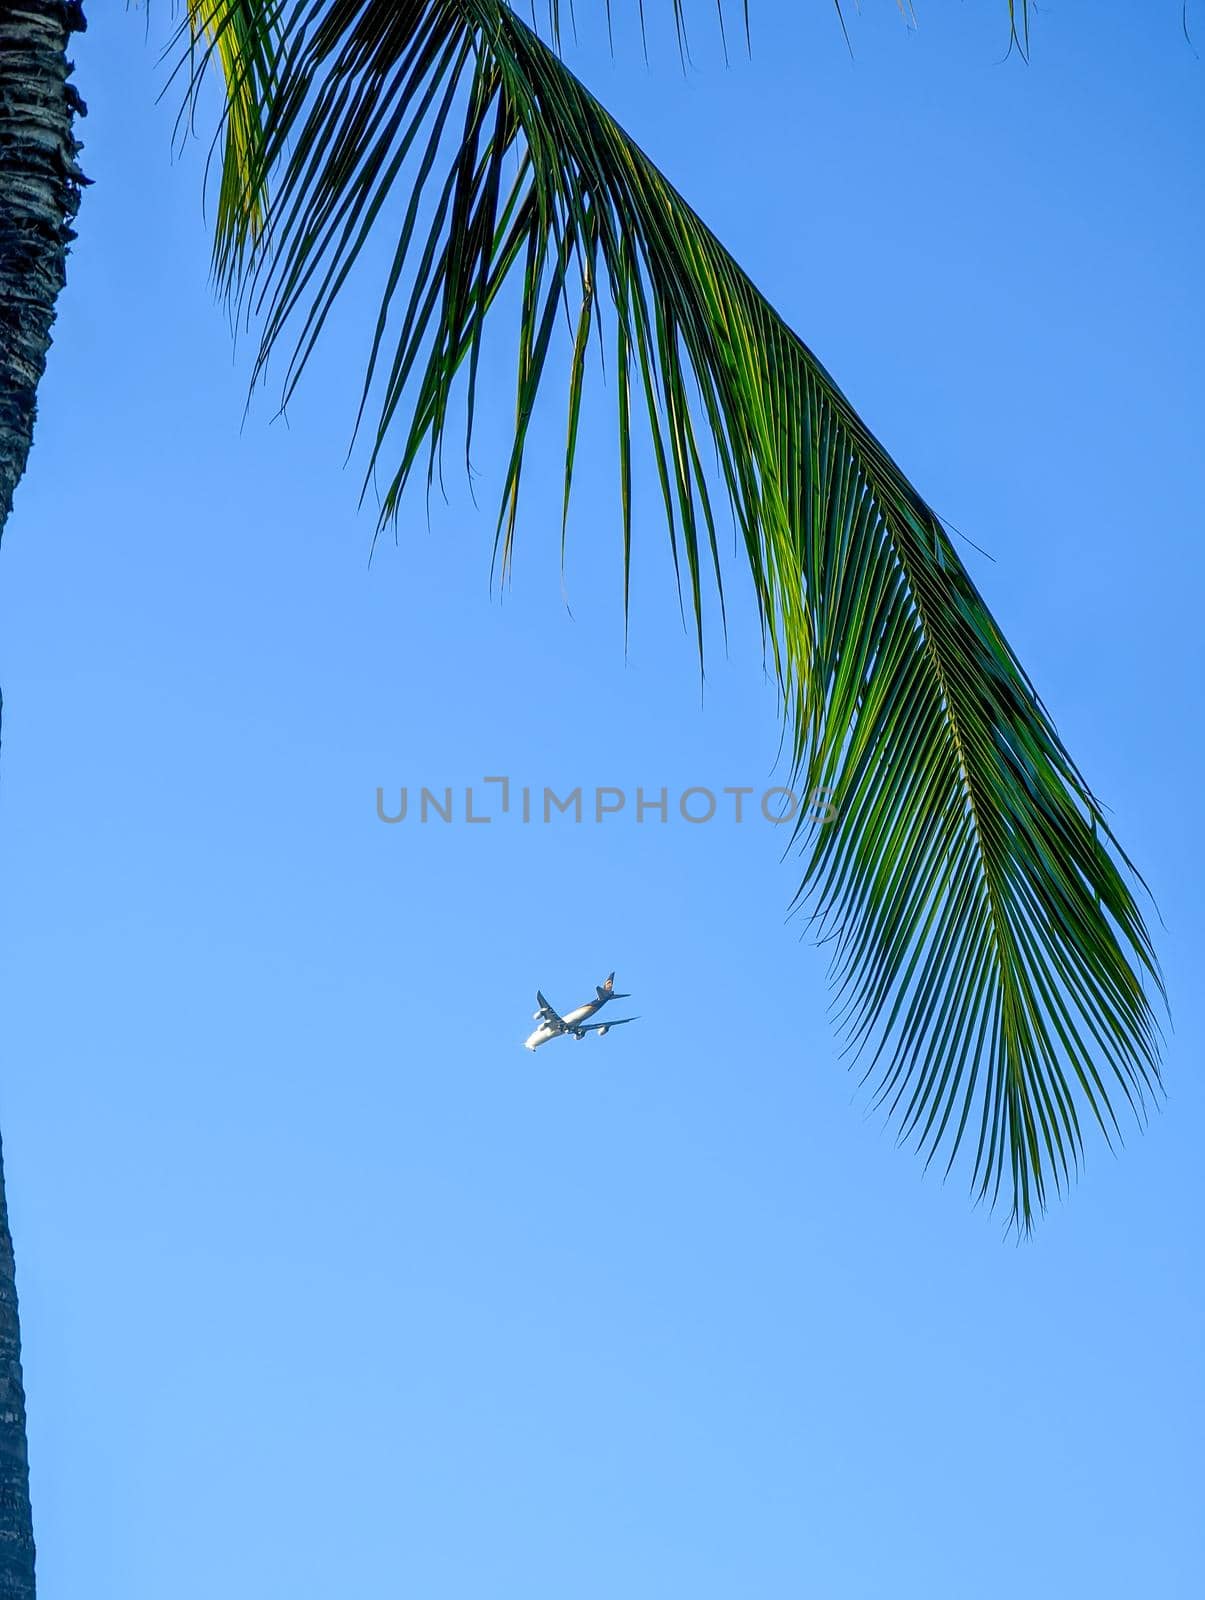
x=16, y=1526
x=39, y=195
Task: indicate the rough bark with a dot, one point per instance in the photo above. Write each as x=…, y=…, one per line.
x=16, y=1526
x=39, y=195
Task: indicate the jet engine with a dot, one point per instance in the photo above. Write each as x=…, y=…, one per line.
x=604, y=1030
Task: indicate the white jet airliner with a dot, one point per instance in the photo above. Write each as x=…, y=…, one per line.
x=554, y=1026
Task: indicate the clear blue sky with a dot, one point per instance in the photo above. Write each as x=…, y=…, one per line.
x=327, y=1286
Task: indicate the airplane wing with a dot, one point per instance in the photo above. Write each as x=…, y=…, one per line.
x=602, y=1027
x=547, y=1014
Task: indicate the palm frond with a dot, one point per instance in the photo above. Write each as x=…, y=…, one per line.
x=241, y=37
x=990, y=959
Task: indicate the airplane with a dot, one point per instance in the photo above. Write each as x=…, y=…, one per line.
x=554, y=1026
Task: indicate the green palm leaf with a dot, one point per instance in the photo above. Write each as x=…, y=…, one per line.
x=988, y=954
x=241, y=36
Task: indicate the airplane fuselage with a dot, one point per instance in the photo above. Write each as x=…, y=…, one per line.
x=575, y=1024
x=571, y=1018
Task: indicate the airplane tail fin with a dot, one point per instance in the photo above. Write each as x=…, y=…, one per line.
x=606, y=991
